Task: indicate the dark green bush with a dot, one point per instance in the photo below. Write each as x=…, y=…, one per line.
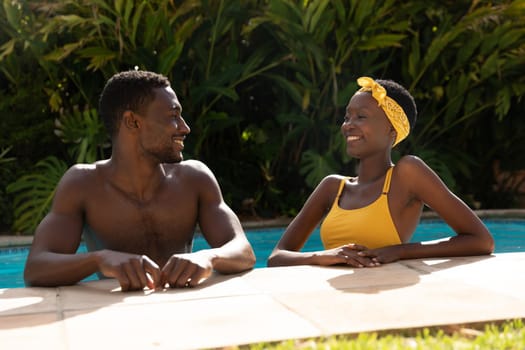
x=264, y=85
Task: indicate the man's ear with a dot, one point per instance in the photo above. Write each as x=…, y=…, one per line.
x=130, y=120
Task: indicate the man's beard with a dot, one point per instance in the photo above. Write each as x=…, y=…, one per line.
x=166, y=155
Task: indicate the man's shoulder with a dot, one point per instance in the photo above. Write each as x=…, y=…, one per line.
x=191, y=166
x=83, y=172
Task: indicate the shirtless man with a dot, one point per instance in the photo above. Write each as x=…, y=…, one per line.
x=139, y=208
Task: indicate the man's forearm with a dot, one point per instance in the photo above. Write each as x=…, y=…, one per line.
x=233, y=257
x=48, y=269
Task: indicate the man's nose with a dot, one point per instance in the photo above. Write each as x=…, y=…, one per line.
x=183, y=126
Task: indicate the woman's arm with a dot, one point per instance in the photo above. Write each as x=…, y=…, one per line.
x=287, y=249
x=423, y=184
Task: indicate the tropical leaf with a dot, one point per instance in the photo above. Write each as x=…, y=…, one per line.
x=3, y=153
x=34, y=193
x=315, y=167
x=84, y=132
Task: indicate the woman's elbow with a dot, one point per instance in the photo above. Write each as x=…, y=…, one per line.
x=485, y=245
x=274, y=260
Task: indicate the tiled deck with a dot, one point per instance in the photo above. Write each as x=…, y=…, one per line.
x=267, y=304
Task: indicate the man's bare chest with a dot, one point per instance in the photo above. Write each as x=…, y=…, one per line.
x=158, y=227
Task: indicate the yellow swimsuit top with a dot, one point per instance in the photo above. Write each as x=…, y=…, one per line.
x=371, y=226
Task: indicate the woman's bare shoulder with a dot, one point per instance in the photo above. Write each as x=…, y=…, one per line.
x=328, y=187
x=332, y=180
x=411, y=165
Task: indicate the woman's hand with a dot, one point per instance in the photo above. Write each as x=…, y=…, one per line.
x=348, y=254
x=382, y=255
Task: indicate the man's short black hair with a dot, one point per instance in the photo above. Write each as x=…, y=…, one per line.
x=128, y=90
x=403, y=98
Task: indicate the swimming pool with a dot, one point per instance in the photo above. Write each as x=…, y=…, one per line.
x=508, y=234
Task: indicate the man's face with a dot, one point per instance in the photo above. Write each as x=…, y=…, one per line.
x=163, y=128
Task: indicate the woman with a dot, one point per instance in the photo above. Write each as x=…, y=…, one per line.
x=370, y=218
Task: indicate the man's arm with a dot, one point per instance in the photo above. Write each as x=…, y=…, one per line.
x=472, y=236
x=230, y=250
x=52, y=260
x=221, y=228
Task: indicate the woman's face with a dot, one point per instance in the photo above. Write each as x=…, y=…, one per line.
x=366, y=127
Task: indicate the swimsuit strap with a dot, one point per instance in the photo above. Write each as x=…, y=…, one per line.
x=386, y=185
x=341, y=186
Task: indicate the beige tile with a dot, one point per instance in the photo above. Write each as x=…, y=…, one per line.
x=495, y=273
x=380, y=308
x=38, y=331
x=313, y=278
x=447, y=264
x=195, y=324
x=106, y=293
x=267, y=305
x=18, y=301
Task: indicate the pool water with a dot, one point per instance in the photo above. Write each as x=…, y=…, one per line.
x=509, y=236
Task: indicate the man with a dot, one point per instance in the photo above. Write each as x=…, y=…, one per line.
x=139, y=208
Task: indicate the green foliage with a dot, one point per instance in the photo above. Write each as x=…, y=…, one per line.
x=510, y=336
x=264, y=84
x=86, y=134
x=315, y=167
x=35, y=193
x=5, y=173
x=3, y=156
x=464, y=70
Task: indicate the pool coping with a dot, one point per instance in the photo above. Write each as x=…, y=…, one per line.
x=273, y=304
x=268, y=305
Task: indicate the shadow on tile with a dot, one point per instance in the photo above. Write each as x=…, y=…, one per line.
x=88, y=297
x=373, y=280
x=438, y=264
x=396, y=275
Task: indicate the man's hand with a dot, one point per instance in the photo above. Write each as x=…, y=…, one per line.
x=134, y=272
x=186, y=270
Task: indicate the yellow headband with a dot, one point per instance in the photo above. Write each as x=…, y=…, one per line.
x=393, y=111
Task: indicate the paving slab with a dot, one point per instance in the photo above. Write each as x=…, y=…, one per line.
x=496, y=273
x=18, y=301
x=378, y=308
x=107, y=293
x=191, y=324
x=315, y=278
x=268, y=304
x=32, y=331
